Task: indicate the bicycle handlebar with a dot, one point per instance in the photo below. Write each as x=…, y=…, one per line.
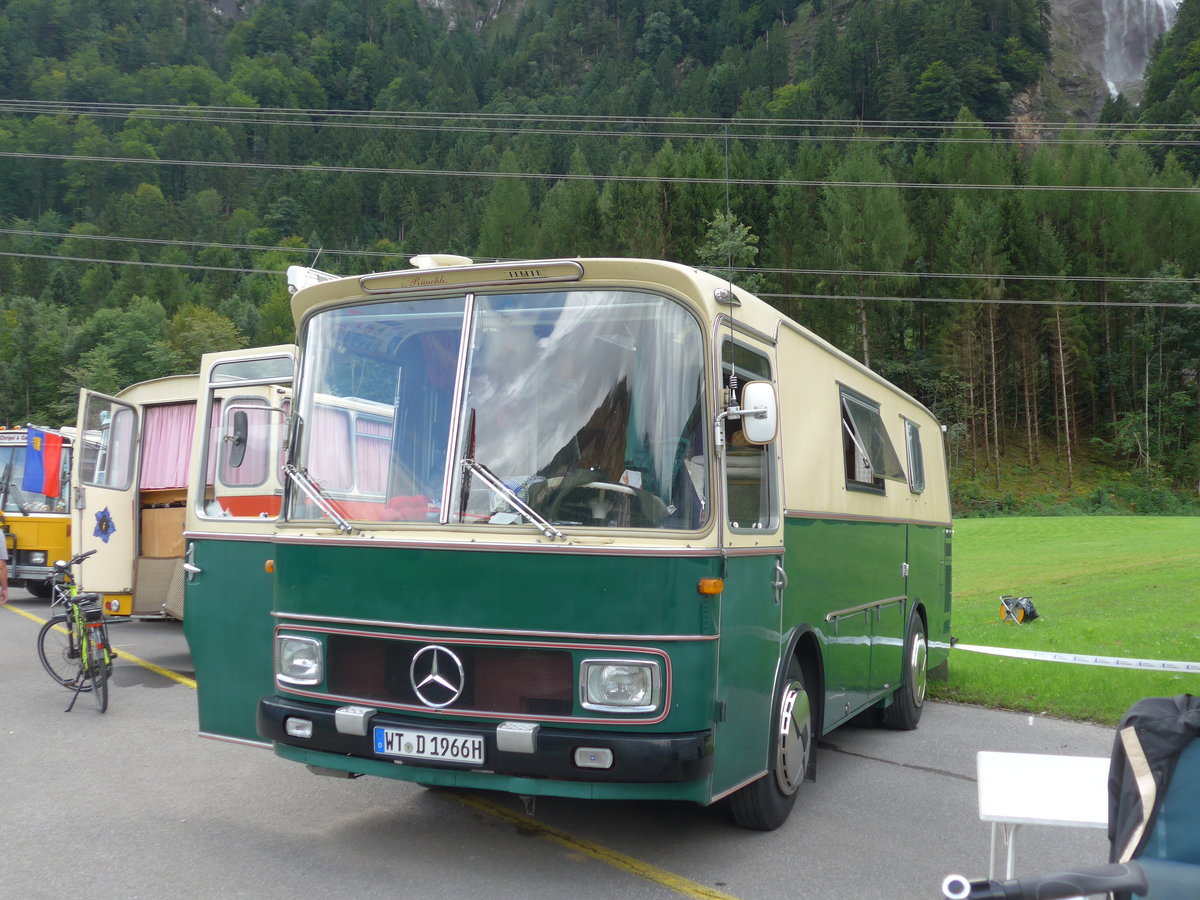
x=1080, y=882
x=63, y=566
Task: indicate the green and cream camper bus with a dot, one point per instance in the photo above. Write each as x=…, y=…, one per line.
x=131, y=480
x=595, y=528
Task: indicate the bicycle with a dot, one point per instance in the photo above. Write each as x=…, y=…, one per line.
x=73, y=645
x=1152, y=879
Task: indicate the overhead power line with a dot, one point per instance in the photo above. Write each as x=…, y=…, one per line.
x=634, y=179
x=839, y=297
x=752, y=270
x=506, y=122
x=204, y=245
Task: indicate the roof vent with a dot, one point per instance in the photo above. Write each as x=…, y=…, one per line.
x=439, y=261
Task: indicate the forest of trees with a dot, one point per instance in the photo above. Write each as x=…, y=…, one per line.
x=161, y=165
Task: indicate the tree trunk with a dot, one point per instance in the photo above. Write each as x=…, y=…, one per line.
x=862, y=324
x=1066, y=406
x=995, y=380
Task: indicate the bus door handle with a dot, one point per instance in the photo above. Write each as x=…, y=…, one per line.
x=781, y=581
x=189, y=563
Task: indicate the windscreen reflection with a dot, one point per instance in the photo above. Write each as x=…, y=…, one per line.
x=586, y=405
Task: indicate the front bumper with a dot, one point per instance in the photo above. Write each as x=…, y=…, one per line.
x=636, y=758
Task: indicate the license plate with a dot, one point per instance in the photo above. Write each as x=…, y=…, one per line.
x=431, y=745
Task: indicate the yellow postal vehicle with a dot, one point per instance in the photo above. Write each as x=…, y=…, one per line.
x=35, y=467
x=596, y=528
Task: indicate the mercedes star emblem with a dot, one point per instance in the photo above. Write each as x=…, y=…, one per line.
x=437, y=676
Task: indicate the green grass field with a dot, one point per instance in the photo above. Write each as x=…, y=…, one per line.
x=1124, y=586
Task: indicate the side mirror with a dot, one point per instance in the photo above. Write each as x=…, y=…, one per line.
x=241, y=430
x=760, y=412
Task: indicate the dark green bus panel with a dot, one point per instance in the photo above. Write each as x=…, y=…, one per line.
x=229, y=629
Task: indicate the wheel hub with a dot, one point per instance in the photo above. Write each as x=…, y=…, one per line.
x=795, y=738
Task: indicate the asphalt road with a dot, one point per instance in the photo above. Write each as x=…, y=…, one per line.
x=132, y=804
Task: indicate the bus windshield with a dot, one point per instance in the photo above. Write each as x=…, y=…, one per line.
x=16, y=499
x=578, y=407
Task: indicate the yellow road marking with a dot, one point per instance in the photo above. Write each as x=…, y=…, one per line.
x=607, y=855
x=121, y=654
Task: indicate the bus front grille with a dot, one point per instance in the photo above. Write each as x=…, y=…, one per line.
x=503, y=681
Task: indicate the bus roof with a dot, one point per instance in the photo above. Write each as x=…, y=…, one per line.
x=711, y=294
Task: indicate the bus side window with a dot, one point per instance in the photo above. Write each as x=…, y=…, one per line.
x=246, y=448
x=749, y=478
x=867, y=450
x=916, y=458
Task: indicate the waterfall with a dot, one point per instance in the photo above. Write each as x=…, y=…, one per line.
x=1130, y=29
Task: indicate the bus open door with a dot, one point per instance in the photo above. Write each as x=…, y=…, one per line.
x=129, y=494
x=104, y=493
x=234, y=494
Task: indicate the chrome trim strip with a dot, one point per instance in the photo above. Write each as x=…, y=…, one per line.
x=244, y=742
x=454, y=444
x=466, y=544
x=433, y=279
x=231, y=536
x=667, y=552
x=852, y=517
x=506, y=632
x=865, y=607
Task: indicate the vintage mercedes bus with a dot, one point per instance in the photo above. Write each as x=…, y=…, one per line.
x=594, y=528
x=34, y=490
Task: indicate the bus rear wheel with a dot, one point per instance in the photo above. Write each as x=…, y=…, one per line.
x=765, y=804
x=905, y=710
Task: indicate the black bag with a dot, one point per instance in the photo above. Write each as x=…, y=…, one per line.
x=1019, y=609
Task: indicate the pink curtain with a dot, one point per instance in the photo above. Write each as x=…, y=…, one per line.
x=329, y=449
x=371, y=444
x=167, y=446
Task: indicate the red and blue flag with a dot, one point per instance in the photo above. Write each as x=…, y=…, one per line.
x=43, y=462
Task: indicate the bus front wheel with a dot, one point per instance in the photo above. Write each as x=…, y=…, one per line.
x=39, y=587
x=765, y=804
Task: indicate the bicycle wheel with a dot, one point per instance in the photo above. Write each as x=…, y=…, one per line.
x=108, y=653
x=97, y=671
x=59, y=653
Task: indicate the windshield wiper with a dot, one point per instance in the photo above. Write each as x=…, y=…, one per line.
x=488, y=477
x=11, y=490
x=313, y=492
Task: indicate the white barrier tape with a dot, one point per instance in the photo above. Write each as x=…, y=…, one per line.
x=1114, y=662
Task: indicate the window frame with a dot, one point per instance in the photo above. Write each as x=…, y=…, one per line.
x=916, y=455
x=855, y=442
x=768, y=452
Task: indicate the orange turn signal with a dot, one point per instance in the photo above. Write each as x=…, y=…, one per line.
x=269, y=567
x=710, y=585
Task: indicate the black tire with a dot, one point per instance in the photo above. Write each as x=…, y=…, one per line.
x=59, y=654
x=39, y=587
x=109, y=654
x=97, y=671
x=904, y=712
x=765, y=804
